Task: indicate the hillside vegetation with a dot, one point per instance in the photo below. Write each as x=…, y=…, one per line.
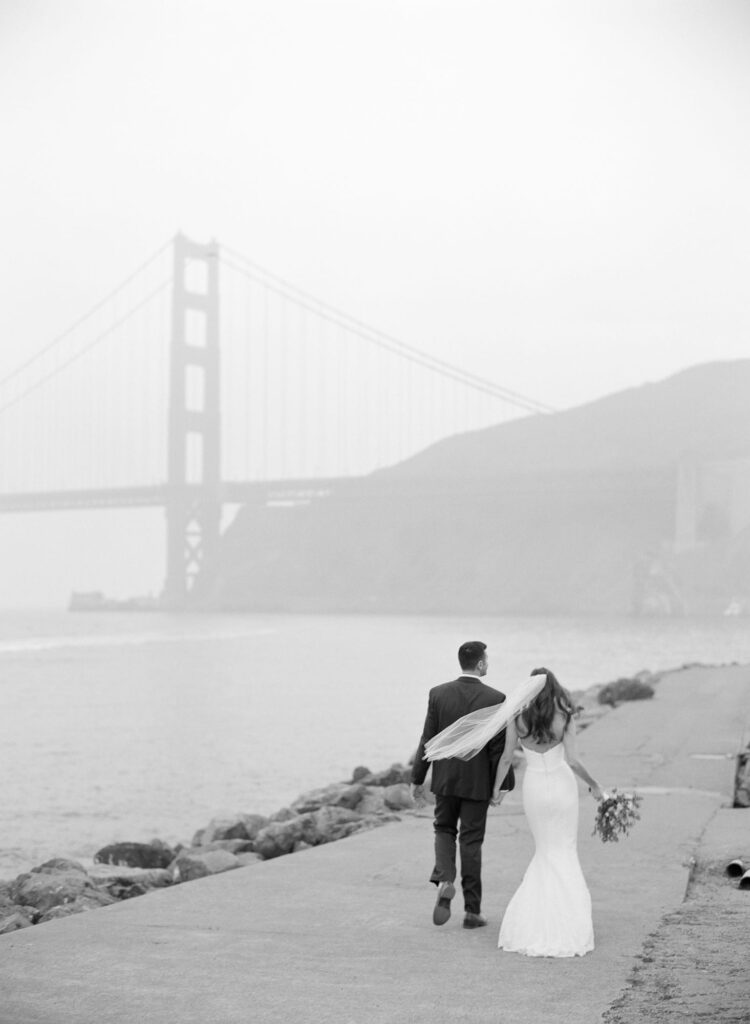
x=553, y=513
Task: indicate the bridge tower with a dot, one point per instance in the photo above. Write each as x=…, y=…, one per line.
x=193, y=504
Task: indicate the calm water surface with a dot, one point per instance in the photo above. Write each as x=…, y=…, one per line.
x=126, y=727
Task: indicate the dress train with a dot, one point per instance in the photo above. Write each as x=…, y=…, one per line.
x=550, y=912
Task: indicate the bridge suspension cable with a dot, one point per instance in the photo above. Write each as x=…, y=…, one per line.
x=78, y=354
x=46, y=349
x=285, y=289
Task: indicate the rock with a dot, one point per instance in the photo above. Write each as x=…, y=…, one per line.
x=64, y=910
x=127, y=888
x=130, y=882
x=298, y=847
x=373, y=800
x=57, y=865
x=253, y=824
x=196, y=863
x=44, y=890
x=13, y=922
x=388, y=777
x=284, y=814
x=242, y=826
x=232, y=845
x=60, y=897
x=340, y=794
x=398, y=797
x=247, y=860
x=359, y=773
x=280, y=837
x=332, y=823
x=136, y=855
x=325, y=825
x=89, y=901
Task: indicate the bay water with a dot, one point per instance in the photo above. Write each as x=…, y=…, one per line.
x=133, y=726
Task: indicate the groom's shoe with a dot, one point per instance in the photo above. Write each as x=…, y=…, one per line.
x=442, y=911
x=474, y=920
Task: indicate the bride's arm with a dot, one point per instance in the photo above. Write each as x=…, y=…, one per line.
x=511, y=740
x=571, y=756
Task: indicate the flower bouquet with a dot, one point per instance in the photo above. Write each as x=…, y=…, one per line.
x=615, y=815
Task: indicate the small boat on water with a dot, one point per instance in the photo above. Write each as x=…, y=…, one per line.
x=96, y=601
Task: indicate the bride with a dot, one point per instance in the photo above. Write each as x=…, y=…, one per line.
x=550, y=912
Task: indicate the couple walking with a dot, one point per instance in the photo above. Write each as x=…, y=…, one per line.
x=470, y=733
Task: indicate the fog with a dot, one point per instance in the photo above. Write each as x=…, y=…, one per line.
x=552, y=196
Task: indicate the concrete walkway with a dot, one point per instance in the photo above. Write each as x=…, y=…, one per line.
x=343, y=933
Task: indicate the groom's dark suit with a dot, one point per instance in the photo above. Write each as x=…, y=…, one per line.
x=462, y=788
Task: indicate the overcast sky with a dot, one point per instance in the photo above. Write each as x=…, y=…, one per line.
x=553, y=195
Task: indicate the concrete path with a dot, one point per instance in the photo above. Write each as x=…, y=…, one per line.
x=343, y=933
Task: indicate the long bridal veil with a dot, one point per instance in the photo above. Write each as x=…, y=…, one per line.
x=466, y=737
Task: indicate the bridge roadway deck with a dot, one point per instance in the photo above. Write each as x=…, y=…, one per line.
x=342, y=934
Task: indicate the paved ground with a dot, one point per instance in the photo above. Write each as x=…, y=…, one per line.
x=343, y=933
x=694, y=966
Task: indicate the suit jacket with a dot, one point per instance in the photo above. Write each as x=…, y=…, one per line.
x=474, y=779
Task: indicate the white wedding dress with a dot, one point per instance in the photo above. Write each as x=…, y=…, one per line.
x=550, y=912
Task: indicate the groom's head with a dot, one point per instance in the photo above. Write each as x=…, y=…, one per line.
x=472, y=657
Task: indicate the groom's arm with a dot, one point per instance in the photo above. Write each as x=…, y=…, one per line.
x=496, y=750
x=420, y=767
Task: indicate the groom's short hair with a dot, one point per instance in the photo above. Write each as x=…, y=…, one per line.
x=471, y=653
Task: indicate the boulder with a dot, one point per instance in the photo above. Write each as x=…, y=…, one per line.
x=14, y=921
x=44, y=890
x=339, y=794
x=231, y=845
x=136, y=855
x=64, y=910
x=280, y=837
x=241, y=826
x=136, y=882
x=57, y=865
x=246, y=860
x=195, y=863
x=398, y=797
x=388, y=777
x=284, y=814
x=89, y=901
x=332, y=823
x=373, y=800
x=360, y=772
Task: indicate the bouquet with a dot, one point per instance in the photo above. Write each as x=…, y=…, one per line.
x=615, y=815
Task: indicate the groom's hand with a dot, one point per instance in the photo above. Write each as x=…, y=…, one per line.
x=497, y=797
x=417, y=793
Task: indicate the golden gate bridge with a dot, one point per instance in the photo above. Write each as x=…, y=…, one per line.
x=204, y=379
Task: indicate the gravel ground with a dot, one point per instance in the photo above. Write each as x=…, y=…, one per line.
x=695, y=966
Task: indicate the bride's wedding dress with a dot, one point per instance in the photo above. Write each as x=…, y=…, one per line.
x=550, y=912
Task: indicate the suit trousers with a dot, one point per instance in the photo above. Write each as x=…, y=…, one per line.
x=472, y=816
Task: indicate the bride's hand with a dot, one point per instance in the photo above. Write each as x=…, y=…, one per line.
x=497, y=797
x=597, y=792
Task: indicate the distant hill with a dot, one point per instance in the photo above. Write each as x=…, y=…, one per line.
x=569, y=512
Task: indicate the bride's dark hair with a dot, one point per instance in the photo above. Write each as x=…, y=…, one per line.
x=538, y=716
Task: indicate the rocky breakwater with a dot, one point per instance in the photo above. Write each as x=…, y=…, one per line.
x=61, y=887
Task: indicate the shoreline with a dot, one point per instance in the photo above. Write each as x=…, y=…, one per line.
x=366, y=800
x=130, y=868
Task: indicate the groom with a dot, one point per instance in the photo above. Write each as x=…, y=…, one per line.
x=462, y=788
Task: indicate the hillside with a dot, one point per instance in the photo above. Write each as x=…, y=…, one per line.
x=567, y=512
